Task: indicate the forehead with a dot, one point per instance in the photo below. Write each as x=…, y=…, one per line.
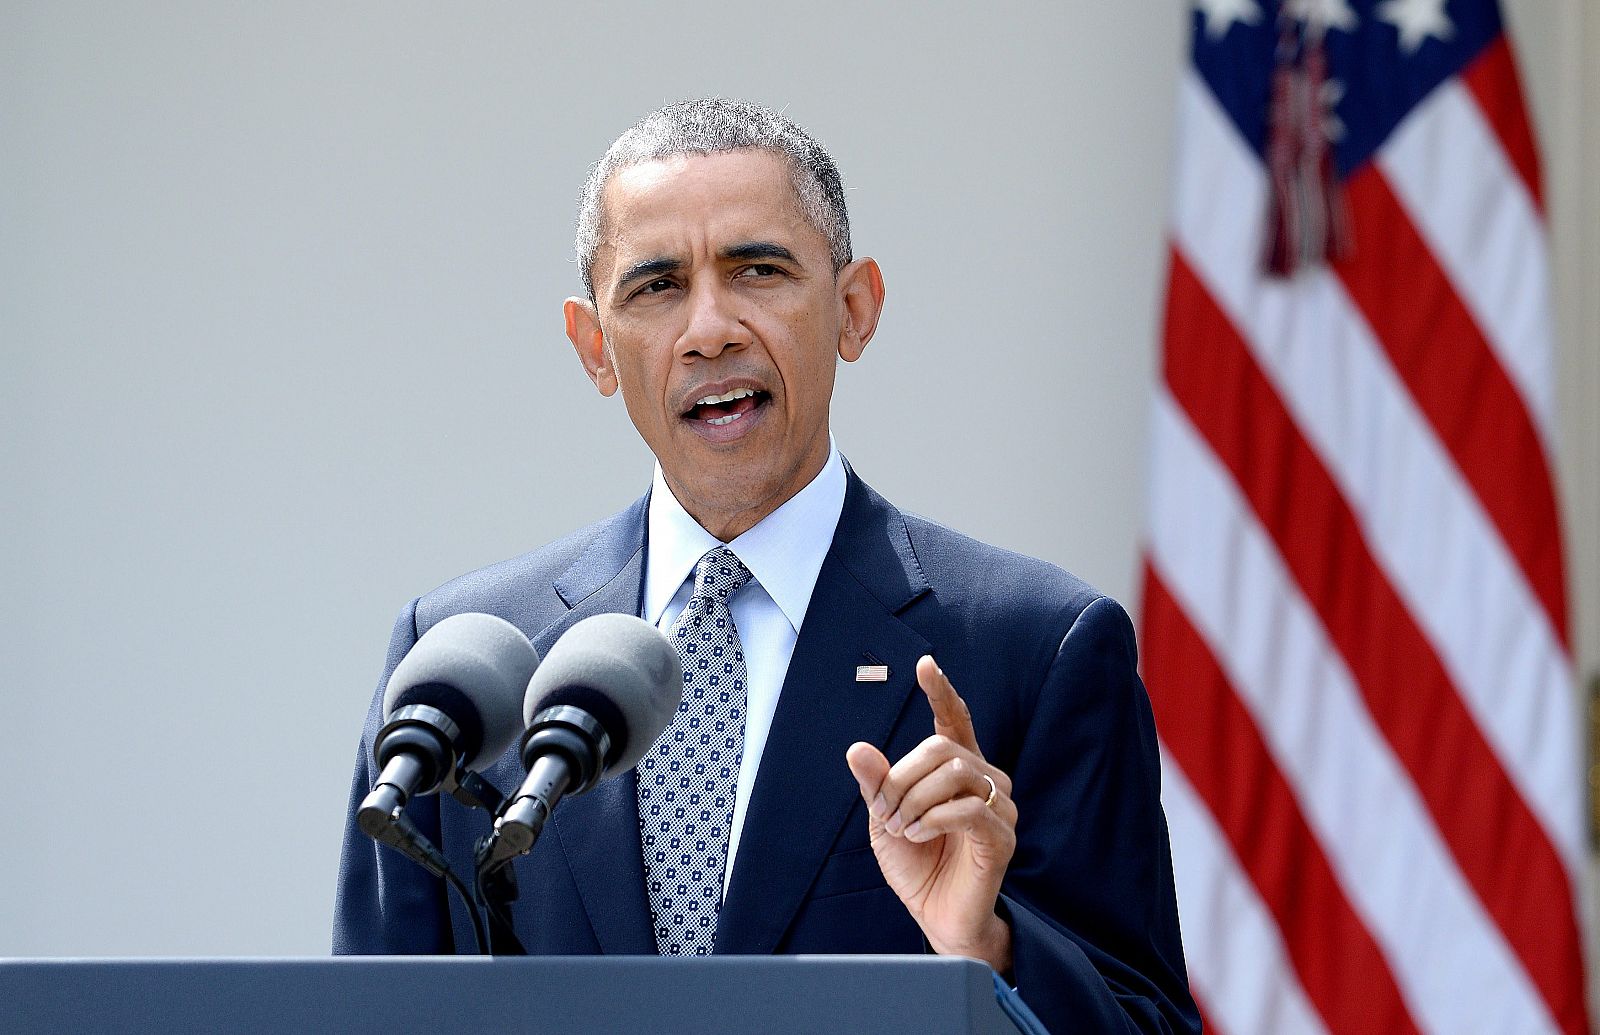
x=673, y=205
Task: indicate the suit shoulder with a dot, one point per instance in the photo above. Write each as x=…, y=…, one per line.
x=962, y=570
x=512, y=588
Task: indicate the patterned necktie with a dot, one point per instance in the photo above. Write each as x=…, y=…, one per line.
x=687, y=780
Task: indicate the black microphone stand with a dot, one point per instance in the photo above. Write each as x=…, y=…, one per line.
x=493, y=890
x=562, y=750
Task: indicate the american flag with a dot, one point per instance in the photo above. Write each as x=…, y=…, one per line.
x=1354, y=609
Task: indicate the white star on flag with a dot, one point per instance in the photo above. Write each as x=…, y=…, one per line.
x=1331, y=94
x=1321, y=15
x=1416, y=20
x=1220, y=15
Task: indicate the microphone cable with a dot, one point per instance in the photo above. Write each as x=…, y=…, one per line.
x=479, y=935
x=403, y=836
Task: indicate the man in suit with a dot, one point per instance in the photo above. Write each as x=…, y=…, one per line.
x=846, y=796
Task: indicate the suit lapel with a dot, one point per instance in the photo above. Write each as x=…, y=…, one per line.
x=599, y=831
x=803, y=790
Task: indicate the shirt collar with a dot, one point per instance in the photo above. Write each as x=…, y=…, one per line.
x=784, y=551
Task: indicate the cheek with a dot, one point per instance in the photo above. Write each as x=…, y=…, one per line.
x=808, y=384
x=810, y=345
x=636, y=364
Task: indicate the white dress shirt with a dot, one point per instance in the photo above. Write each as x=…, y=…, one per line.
x=784, y=552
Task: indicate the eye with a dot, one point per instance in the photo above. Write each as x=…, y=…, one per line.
x=659, y=286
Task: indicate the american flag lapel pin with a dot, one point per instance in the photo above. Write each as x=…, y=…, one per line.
x=876, y=672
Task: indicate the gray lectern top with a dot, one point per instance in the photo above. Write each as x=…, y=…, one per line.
x=748, y=995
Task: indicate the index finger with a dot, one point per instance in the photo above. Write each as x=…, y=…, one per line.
x=950, y=715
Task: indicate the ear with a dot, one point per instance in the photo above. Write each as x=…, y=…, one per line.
x=583, y=329
x=861, y=298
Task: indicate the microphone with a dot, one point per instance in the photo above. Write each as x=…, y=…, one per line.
x=606, y=691
x=451, y=704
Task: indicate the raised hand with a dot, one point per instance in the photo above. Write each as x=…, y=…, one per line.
x=943, y=828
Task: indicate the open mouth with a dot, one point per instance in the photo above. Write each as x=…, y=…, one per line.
x=719, y=410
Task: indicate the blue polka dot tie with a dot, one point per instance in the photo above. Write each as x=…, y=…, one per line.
x=687, y=780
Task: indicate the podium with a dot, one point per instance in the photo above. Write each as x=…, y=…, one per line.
x=747, y=995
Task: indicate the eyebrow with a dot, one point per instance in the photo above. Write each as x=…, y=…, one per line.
x=648, y=269
x=758, y=250
x=749, y=251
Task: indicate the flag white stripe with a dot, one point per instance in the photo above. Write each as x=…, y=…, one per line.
x=1237, y=961
x=1447, y=167
x=1448, y=957
x=1425, y=526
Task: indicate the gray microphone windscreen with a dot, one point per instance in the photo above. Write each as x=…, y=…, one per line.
x=621, y=670
x=474, y=668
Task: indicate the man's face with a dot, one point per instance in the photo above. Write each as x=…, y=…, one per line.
x=718, y=314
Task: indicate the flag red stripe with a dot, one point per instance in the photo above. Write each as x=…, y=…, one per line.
x=1492, y=80
x=1500, y=846
x=1457, y=382
x=1212, y=736
x=1206, y=1023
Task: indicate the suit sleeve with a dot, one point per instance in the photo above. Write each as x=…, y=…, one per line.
x=385, y=904
x=1089, y=894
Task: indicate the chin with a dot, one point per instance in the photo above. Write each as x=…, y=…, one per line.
x=732, y=492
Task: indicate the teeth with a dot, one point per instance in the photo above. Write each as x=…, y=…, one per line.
x=729, y=419
x=737, y=393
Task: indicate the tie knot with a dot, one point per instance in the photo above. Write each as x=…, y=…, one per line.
x=719, y=573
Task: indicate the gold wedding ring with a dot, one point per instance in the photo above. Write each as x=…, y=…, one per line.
x=993, y=790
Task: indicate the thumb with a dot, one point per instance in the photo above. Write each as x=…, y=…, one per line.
x=870, y=768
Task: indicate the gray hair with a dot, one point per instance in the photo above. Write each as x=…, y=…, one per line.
x=711, y=126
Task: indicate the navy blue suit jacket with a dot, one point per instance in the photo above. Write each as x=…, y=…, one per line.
x=1046, y=666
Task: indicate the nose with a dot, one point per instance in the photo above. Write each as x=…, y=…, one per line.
x=714, y=321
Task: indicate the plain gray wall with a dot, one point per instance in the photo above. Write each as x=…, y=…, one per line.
x=279, y=305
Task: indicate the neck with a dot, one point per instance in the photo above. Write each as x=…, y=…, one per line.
x=728, y=520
